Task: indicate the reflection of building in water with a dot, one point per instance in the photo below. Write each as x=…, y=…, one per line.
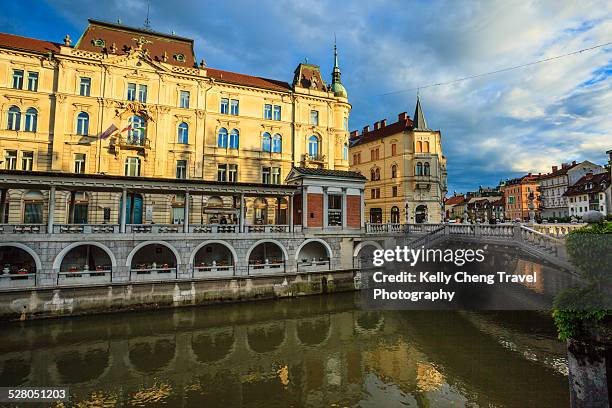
x=525, y=267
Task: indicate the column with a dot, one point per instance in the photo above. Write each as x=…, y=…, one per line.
x=278, y=209
x=290, y=211
x=3, y=204
x=123, y=210
x=242, y=213
x=362, y=209
x=51, y=210
x=304, y=206
x=186, y=213
x=325, y=207
x=344, y=208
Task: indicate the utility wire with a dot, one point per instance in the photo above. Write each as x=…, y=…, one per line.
x=498, y=71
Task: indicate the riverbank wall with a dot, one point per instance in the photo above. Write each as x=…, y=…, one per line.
x=81, y=300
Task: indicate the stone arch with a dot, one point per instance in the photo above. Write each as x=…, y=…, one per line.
x=128, y=263
x=214, y=241
x=364, y=244
x=263, y=241
x=27, y=249
x=57, y=262
x=307, y=241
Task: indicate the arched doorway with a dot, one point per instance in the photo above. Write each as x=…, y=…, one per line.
x=266, y=257
x=213, y=259
x=395, y=215
x=17, y=267
x=85, y=264
x=420, y=214
x=153, y=261
x=376, y=215
x=133, y=209
x=313, y=255
x=364, y=254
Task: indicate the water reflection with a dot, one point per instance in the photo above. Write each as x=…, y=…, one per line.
x=311, y=352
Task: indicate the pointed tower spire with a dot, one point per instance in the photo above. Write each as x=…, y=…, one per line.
x=419, y=116
x=336, y=85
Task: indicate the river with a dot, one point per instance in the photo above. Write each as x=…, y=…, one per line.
x=318, y=351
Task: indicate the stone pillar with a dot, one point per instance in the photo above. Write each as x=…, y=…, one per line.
x=3, y=204
x=290, y=211
x=51, y=210
x=304, y=206
x=325, y=207
x=123, y=210
x=186, y=213
x=344, y=208
x=278, y=210
x=362, y=208
x=242, y=213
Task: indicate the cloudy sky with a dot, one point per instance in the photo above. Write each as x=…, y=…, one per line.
x=493, y=127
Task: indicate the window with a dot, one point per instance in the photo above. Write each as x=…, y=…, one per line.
x=277, y=112
x=83, y=124
x=313, y=146
x=85, y=87
x=142, y=93
x=345, y=151
x=136, y=132
x=79, y=163
x=181, y=169
x=277, y=143
x=184, y=99
x=17, y=79
x=267, y=111
x=511, y=200
x=314, y=117
x=425, y=147
x=33, y=81
x=426, y=171
x=265, y=175
x=224, y=106
x=394, y=171
x=183, y=133
x=232, y=173
x=394, y=191
x=27, y=161
x=395, y=215
x=222, y=138
x=10, y=159
x=31, y=119
x=132, y=166
x=374, y=154
x=131, y=92
x=375, y=193
x=276, y=179
x=266, y=142
x=234, y=107
x=33, y=207
x=222, y=172
x=419, y=169
x=345, y=123
x=393, y=149
x=234, y=139
x=372, y=175
x=14, y=118
x=377, y=174
x=334, y=210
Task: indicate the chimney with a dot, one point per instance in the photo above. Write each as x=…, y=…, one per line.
x=383, y=123
x=555, y=168
x=574, y=163
x=376, y=125
x=564, y=165
x=402, y=116
x=354, y=134
x=366, y=129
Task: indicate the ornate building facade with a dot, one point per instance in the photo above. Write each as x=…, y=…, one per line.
x=405, y=170
x=130, y=102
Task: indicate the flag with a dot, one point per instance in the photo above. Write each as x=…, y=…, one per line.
x=111, y=129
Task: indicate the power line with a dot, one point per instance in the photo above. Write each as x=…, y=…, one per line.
x=498, y=71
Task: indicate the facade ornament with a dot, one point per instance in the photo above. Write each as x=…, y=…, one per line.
x=140, y=41
x=203, y=63
x=67, y=40
x=113, y=48
x=164, y=57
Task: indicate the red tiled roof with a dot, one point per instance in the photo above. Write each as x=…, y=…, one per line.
x=248, y=80
x=27, y=44
x=596, y=182
x=380, y=133
x=454, y=200
x=559, y=172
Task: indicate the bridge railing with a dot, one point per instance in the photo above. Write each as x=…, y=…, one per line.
x=556, y=230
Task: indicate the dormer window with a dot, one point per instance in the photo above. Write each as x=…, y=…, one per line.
x=98, y=42
x=179, y=57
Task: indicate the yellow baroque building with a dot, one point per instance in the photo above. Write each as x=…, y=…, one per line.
x=405, y=170
x=133, y=102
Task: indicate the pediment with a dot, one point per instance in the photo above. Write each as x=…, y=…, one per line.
x=138, y=60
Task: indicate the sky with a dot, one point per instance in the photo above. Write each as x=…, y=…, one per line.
x=493, y=127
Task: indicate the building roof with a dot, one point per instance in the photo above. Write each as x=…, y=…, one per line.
x=403, y=123
x=28, y=44
x=560, y=171
x=309, y=76
x=247, y=80
x=590, y=183
x=311, y=171
x=454, y=200
x=419, y=117
x=526, y=179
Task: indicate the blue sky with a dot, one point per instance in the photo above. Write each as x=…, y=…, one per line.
x=493, y=127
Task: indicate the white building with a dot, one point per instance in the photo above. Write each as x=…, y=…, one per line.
x=591, y=192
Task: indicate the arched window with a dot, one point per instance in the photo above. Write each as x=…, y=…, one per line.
x=266, y=142
x=426, y=169
x=136, y=134
x=33, y=207
x=183, y=133
x=393, y=171
x=377, y=174
x=277, y=144
x=83, y=124
x=222, y=138
x=373, y=175
x=234, y=139
x=395, y=215
x=419, y=169
x=14, y=118
x=345, y=151
x=31, y=120
x=425, y=147
x=419, y=147
x=313, y=146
